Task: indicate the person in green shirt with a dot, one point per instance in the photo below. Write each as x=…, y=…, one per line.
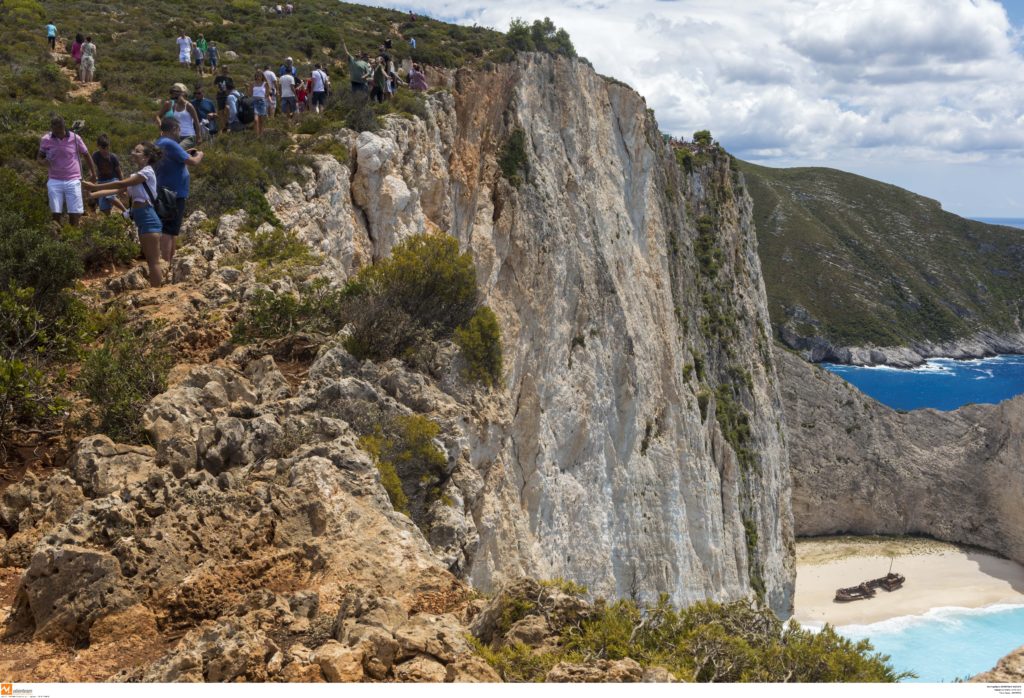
x=358, y=69
x=201, y=53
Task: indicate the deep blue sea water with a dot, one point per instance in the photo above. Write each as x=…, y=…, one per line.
x=944, y=384
x=945, y=643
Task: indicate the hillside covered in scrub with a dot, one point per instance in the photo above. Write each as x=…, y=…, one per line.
x=851, y=262
x=409, y=359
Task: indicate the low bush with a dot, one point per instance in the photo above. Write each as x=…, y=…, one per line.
x=121, y=375
x=423, y=291
x=403, y=450
x=316, y=309
x=27, y=396
x=480, y=341
x=741, y=641
x=102, y=241
x=512, y=161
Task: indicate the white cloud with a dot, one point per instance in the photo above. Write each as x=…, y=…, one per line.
x=787, y=81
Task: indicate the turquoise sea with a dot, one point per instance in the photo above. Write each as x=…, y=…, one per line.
x=945, y=643
x=943, y=384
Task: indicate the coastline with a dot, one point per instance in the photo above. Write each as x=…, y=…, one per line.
x=939, y=575
x=982, y=345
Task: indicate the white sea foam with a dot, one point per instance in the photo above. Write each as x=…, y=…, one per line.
x=948, y=615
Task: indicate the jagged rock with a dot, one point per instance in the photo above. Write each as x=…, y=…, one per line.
x=340, y=664
x=441, y=636
x=134, y=623
x=267, y=379
x=532, y=631
x=657, y=674
x=378, y=646
x=521, y=599
x=603, y=671
x=217, y=653
x=471, y=669
x=136, y=279
x=362, y=606
x=421, y=669
x=32, y=508
x=101, y=467
x=297, y=672
x=65, y=590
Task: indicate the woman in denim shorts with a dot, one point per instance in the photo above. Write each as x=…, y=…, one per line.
x=259, y=92
x=141, y=188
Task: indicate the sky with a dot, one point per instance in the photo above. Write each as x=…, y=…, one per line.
x=924, y=94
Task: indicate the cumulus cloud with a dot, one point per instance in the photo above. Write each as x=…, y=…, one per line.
x=804, y=80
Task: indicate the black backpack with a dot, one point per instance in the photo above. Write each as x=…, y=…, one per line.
x=165, y=203
x=246, y=110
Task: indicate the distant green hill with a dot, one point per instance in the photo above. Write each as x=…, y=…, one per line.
x=859, y=262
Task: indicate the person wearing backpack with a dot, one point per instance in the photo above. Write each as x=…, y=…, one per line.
x=172, y=173
x=225, y=86
x=141, y=188
x=241, y=111
x=320, y=83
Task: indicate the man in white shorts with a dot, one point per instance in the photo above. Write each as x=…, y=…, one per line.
x=272, y=89
x=61, y=149
x=185, y=49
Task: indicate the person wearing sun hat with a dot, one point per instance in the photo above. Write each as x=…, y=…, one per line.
x=181, y=110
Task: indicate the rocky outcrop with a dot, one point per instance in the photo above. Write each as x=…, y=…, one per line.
x=978, y=346
x=634, y=445
x=860, y=467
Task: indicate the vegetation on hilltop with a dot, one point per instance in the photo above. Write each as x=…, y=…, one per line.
x=860, y=262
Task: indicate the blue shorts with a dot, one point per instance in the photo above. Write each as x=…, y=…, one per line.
x=146, y=220
x=107, y=202
x=259, y=105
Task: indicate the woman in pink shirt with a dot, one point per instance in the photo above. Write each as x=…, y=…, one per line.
x=61, y=149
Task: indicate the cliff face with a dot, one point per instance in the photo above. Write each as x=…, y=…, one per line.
x=599, y=463
x=635, y=445
x=860, y=467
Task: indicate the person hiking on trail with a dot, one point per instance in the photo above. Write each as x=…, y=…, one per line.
x=76, y=50
x=288, y=68
x=197, y=59
x=179, y=109
x=417, y=79
x=233, y=100
x=320, y=81
x=184, y=49
x=212, y=56
x=202, y=46
x=412, y=42
x=108, y=169
x=141, y=188
x=289, y=104
x=206, y=111
x=380, y=81
x=301, y=95
x=271, y=77
x=172, y=172
x=51, y=35
x=258, y=91
x=358, y=70
x=88, y=67
x=224, y=85
x=61, y=150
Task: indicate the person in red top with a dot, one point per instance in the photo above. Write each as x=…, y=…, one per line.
x=301, y=95
x=62, y=150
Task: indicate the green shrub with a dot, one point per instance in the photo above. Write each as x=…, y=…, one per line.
x=480, y=341
x=27, y=396
x=121, y=375
x=317, y=309
x=423, y=291
x=102, y=241
x=702, y=138
x=404, y=452
x=708, y=642
x=512, y=161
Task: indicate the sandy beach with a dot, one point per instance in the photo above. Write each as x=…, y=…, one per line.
x=938, y=574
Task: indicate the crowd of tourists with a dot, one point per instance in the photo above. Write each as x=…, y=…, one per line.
x=154, y=197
